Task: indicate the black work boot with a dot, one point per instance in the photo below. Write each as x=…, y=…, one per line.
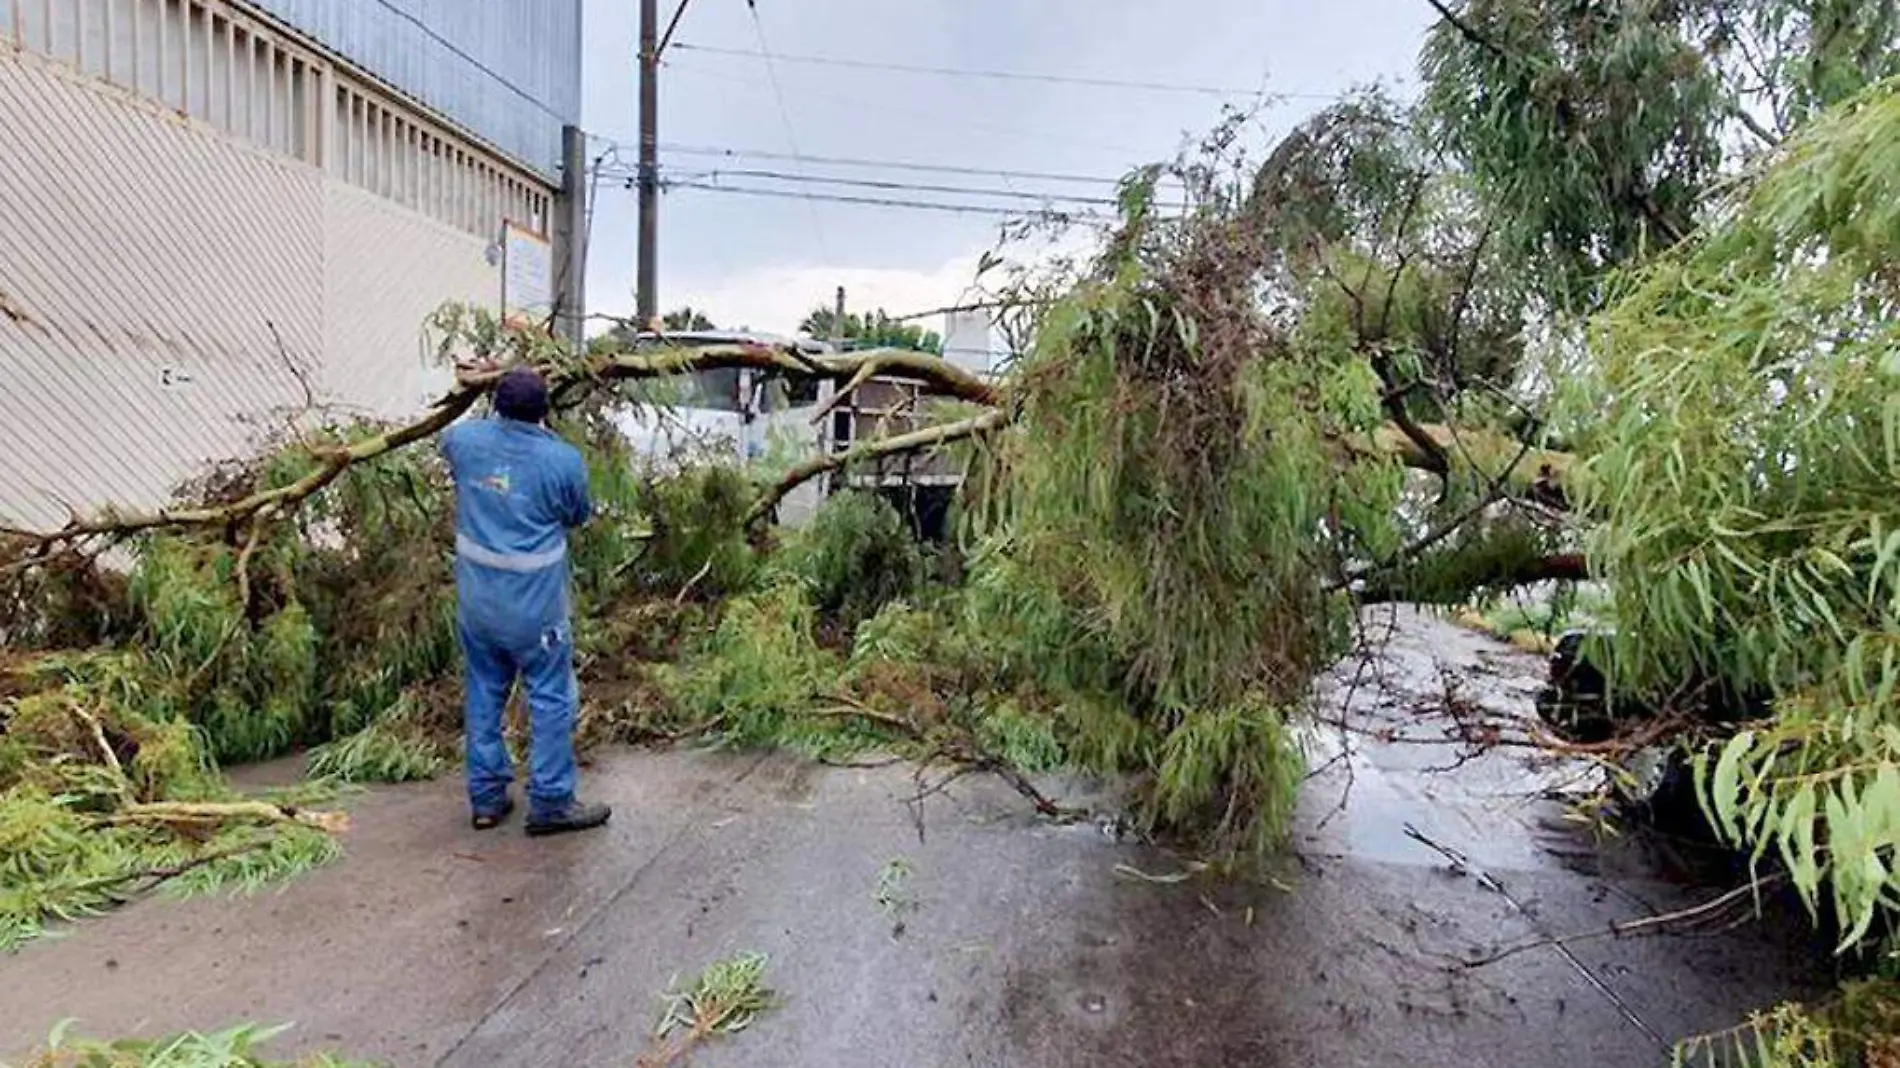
x=488, y=820
x=576, y=817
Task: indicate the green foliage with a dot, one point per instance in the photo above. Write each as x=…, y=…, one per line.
x=396, y=747
x=77, y=747
x=1388, y=252
x=604, y=552
x=1857, y=1028
x=249, y=859
x=1598, y=130
x=340, y=614
x=1234, y=771
x=1796, y=58
x=698, y=538
x=235, y=1047
x=854, y=557
x=725, y=999
x=905, y=633
x=758, y=672
x=51, y=868
x=1746, y=445
x=1148, y=497
x=382, y=595
x=1593, y=127
x=1477, y=562
x=1026, y=738
x=1156, y=540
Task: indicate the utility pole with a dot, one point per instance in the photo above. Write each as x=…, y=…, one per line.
x=828, y=439
x=646, y=296
x=570, y=239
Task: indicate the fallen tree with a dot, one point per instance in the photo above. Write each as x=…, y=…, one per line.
x=1304, y=391
x=486, y=344
x=1177, y=498
x=1488, y=454
x=1166, y=493
x=102, y=801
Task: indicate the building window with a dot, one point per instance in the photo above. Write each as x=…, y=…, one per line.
x=801, y=392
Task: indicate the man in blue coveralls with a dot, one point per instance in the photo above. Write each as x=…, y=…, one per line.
x=518, y=490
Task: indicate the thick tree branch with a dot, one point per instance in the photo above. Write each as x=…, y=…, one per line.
x=224, y=812
x=1560, y=567
x=915, y=441
x=844, y=392
x=939, y=377
x=260, y=506
x=1424, y=451
x=1492, y=455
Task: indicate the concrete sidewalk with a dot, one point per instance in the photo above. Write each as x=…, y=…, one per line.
x=1030, y=944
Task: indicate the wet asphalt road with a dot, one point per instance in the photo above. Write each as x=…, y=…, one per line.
x=1024, y=943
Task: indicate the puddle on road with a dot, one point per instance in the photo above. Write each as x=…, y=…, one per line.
x=1418, y=713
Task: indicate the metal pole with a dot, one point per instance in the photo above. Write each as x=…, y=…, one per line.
x=828, y=438
x=647, y=297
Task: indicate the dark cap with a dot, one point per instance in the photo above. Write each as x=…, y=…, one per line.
x=522, y=395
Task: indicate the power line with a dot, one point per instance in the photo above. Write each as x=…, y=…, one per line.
x=872, y=183
x=894, y=165
x=999, y=75
x=430, y=33
x=965, y=120
x=839, y=198
x=785, y=115
x=918, y=187
x=666, y=38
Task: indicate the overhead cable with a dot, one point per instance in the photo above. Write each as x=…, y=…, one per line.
x=894, y=165
x=871, y=183
x=997, y=75
x=886, y=202
x=462, y=54
x=785, y=115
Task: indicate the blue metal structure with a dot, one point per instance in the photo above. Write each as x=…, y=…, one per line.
x=508, y=71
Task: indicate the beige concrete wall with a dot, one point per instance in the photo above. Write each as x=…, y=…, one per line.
x=168, y=289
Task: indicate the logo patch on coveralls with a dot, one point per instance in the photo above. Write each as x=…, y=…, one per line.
x=498, y=482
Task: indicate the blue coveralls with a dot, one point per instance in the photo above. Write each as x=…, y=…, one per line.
x=518, y=489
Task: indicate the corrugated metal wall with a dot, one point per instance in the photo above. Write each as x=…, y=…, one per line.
x=167, y=290
x=507, y=70
x=219, y=63
x=384, y=271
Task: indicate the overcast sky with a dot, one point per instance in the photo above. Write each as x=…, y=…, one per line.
x=763, y=262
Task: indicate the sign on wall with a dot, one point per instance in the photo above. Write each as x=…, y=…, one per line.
x=527, y=275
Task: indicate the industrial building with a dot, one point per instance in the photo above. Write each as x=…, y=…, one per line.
x=218, y=212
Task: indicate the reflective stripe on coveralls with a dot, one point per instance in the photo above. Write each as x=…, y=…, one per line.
x=520, y=563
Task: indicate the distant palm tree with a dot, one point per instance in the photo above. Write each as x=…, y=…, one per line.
x=687, y=319
x=875, y=330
